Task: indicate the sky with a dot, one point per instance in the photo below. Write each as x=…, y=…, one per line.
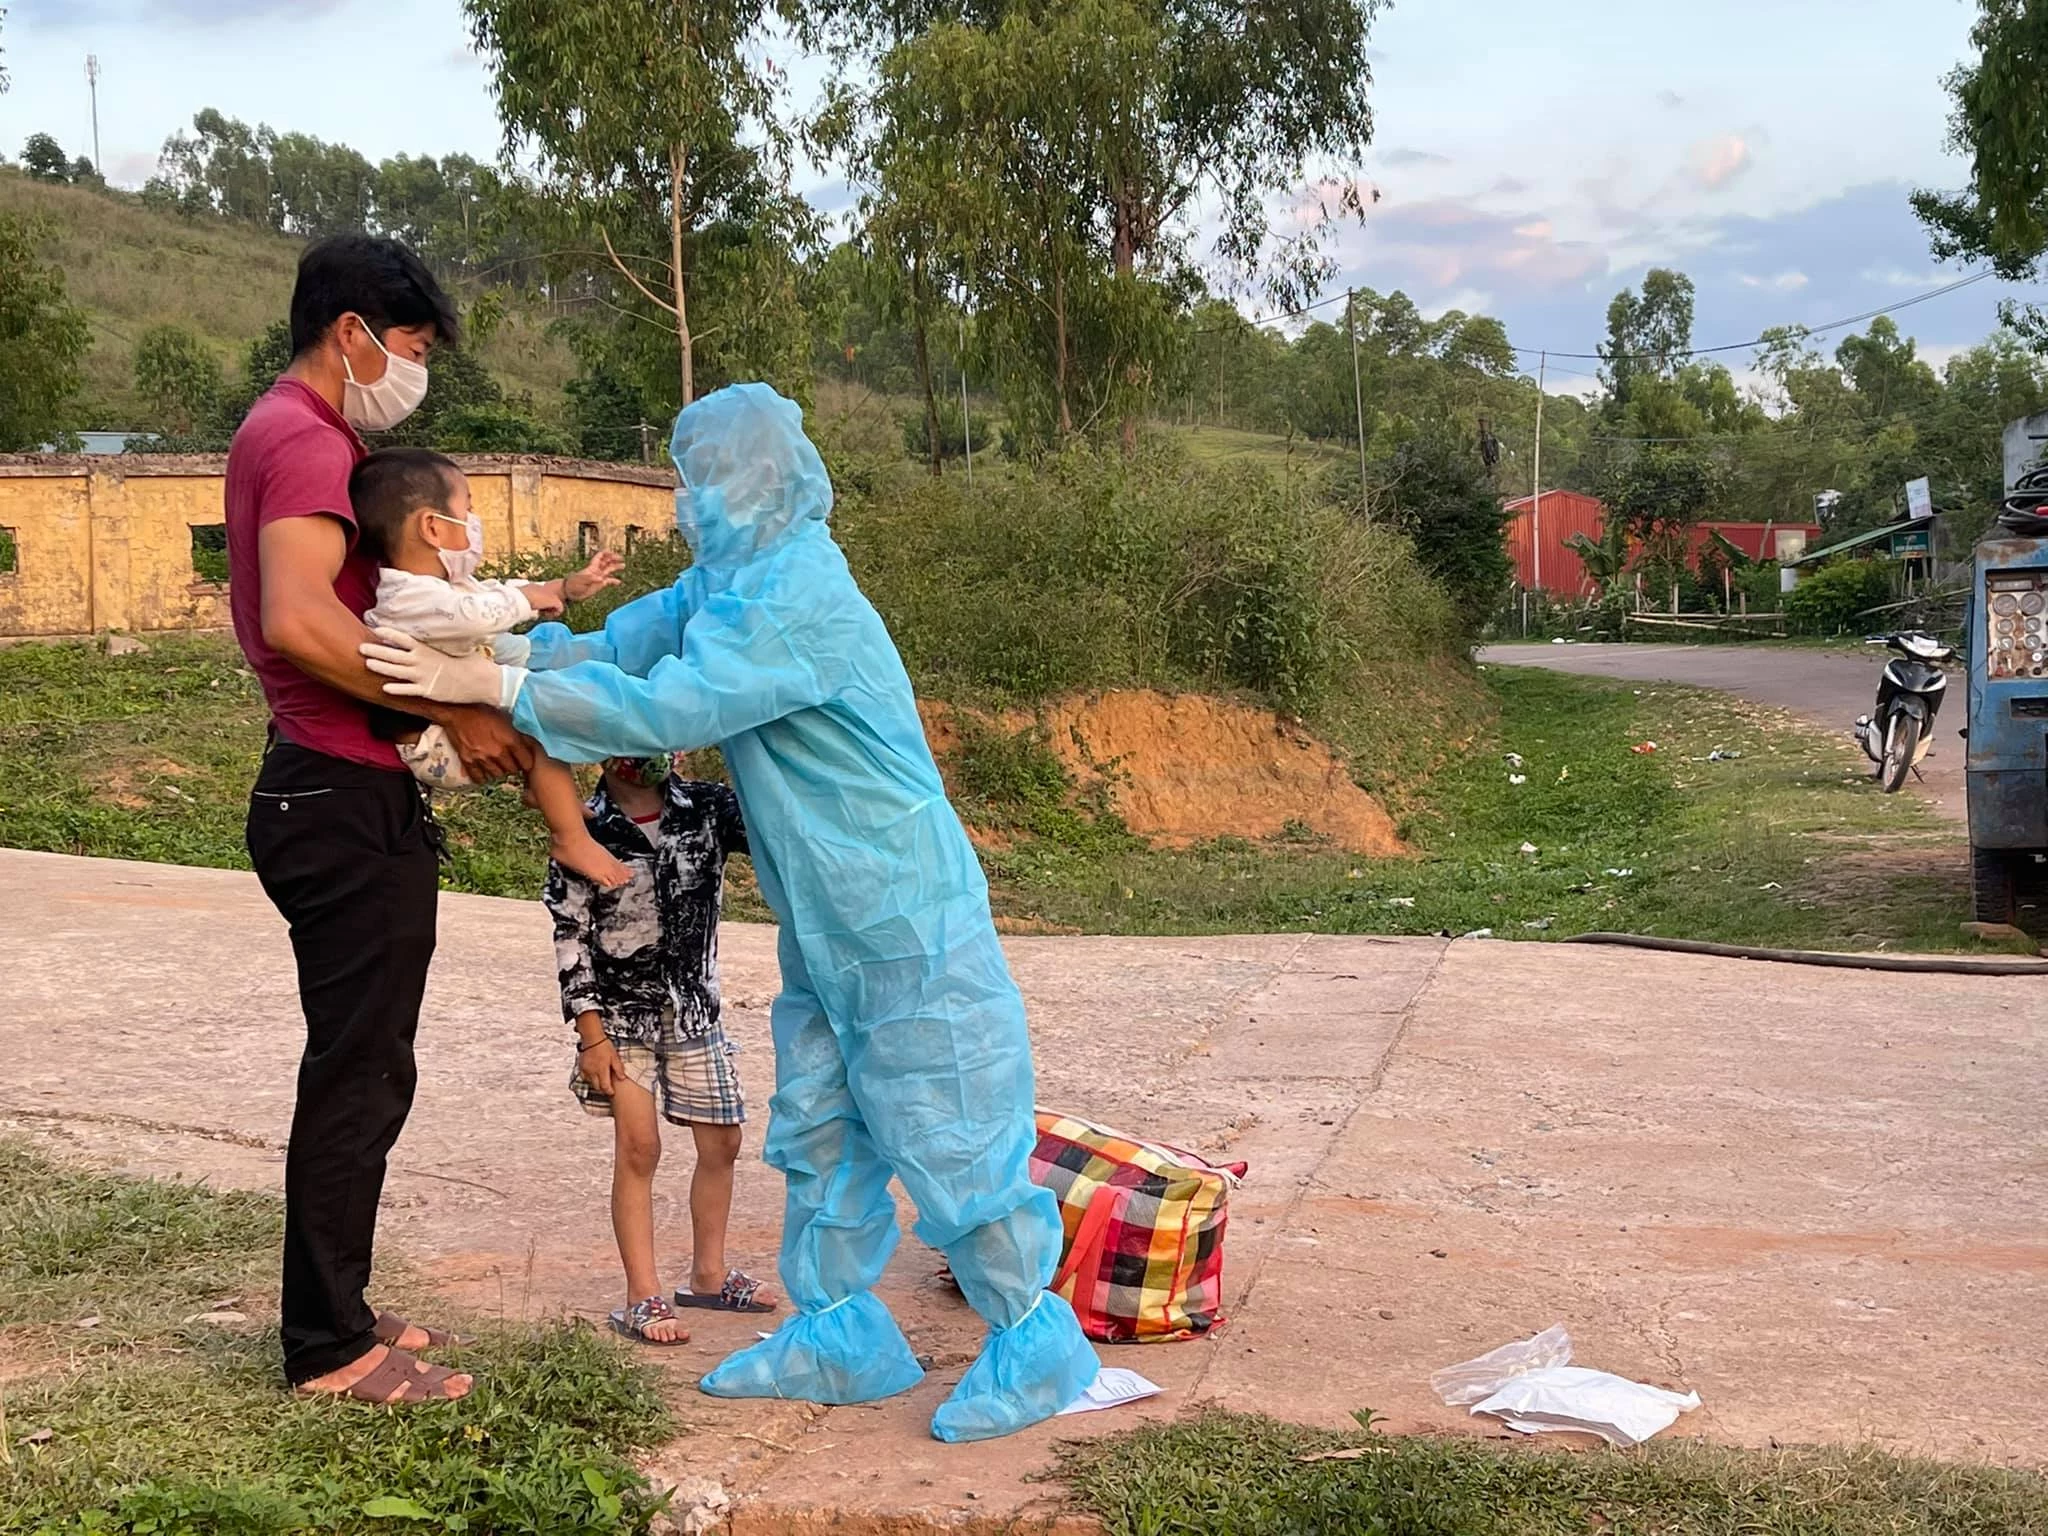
x=1530, y=160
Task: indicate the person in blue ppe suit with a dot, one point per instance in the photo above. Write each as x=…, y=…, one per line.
x=900, y=1042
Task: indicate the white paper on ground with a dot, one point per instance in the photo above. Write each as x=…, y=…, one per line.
x=1112, y=1387
x=1567, y=1397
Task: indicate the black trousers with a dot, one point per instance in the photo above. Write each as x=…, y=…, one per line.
x=347, y=854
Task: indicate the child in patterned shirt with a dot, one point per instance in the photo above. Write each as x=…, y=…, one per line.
x=639, y=976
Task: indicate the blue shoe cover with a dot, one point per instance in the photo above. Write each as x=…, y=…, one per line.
x=851, y=1352
x=1025, y=1373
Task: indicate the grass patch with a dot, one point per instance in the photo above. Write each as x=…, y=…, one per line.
x=1788, y=842
x=1232, y=1475
x=1784, y=842
x=187, y=1431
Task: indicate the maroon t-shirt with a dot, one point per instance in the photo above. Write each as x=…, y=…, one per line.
x=291, y=458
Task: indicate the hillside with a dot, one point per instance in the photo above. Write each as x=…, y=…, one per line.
x=131, y=268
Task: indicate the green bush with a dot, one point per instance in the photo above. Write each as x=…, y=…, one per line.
x=1084, y=571
x=1831, y=600
x=953, y=442
x=1089, y=572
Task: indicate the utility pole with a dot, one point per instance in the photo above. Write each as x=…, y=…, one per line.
x=966, y=425
x=92, y=86
x=1536, y=509
x=1357, y=396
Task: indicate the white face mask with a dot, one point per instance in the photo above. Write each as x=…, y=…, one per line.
x=383, y=405
x=461, y=564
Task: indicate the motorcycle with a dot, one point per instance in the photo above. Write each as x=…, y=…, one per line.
x=1897, y=736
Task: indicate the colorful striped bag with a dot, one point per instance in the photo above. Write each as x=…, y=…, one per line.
x=1142, y=1252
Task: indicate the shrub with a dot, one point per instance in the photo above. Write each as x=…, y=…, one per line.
x=1829, y=601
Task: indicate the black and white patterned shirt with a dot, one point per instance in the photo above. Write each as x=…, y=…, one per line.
x=644, y=957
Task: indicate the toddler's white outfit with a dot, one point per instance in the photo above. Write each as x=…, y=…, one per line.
x=455, y=618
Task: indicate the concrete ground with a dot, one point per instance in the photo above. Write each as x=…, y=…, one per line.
x=1830, y=688
x=1816, y=1197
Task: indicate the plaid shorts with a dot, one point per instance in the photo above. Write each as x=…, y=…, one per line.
x=694, y=1083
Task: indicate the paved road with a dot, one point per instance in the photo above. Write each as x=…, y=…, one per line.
x=1776, y=1185
x=1831, y=688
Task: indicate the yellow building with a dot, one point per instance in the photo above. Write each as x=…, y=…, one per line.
x=133, y=542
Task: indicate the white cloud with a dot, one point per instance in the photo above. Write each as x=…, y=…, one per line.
x=1470, y=300
x=1899, y=277
x=1717, y=161
x=1790, y=281
x=1404, y=157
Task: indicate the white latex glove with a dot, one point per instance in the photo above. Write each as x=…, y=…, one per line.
x=418, y=671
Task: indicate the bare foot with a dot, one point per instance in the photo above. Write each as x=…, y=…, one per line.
x=340, y=1383
x=587, y=857
x=666, y=1330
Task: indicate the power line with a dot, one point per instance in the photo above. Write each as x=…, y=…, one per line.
x=1744, y=346
x=1640, y=357
x=1291, y=314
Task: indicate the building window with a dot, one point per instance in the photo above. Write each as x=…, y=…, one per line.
x=10, y=553
x=210, y=552
x=588, y=540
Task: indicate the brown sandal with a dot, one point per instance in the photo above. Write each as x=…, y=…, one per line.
x=399, y=1379
x=391, y=1328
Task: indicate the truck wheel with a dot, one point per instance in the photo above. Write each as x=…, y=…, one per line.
x=1991, y=871
x=2030, y=895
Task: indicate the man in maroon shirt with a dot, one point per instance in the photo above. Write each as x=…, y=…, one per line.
x=341, y=836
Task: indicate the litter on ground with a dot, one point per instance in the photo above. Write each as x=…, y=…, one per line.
x=1112, y=1387
x=1531, y=1386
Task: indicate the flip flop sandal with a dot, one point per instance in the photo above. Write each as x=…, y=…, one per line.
x=736, y=1295
x=634, y=1321
x=399, y=1380
x=391, y=1328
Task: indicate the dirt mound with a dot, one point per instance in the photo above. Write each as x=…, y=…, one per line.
x=1188, y=768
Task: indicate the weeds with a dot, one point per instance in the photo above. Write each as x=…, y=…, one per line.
x=186, y=1429
x=1236, y=1475
x=1783, y=840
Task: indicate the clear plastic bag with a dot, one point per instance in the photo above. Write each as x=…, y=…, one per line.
x=1460, y=1386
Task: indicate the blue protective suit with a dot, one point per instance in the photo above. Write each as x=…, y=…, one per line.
x=900, y=1043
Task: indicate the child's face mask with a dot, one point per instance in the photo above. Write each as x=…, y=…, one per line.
x=646, y=772
x=461, y=564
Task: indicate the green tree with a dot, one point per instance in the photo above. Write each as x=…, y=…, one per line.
x=1656, y=492
x=1084, y=136
x=1648, y=336
x=2000, y=124
x=42, y=338
x=1437, y=491
x=633, y=109
x=44, y=158
x=222, y=167
x=606, y=412
x=179, y=380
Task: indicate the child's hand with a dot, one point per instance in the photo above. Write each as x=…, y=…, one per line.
x=545, y=597
x=603, y=571
x=601, y=1066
